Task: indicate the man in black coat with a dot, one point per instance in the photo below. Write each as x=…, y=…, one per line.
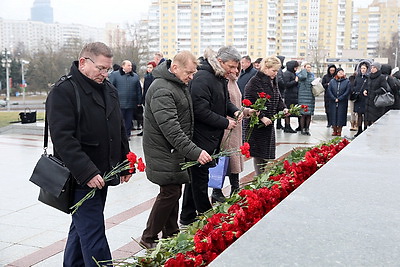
x=247, y=72
x=90, y=142
x=211, y=104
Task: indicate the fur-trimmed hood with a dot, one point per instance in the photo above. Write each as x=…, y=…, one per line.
x=210, y=63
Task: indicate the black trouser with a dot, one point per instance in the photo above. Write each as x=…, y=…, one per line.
x=164, y=214
x=195, y=197
x=86, y=237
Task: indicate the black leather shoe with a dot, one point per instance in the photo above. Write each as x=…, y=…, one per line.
x=147, y=245
x=217, y=196
x=288, y=129
x=140, y=134
x=187, y=222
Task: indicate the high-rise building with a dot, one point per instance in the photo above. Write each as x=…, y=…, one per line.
x=314, y=30
x=42, y=11
x=376, y=25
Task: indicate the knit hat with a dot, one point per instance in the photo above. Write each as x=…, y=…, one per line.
x=377, y=65
x=339, y=69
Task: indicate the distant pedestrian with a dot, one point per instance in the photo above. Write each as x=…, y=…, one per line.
x=159, y=58
x=330, y=73
x=338, y=94
x=281, y=87
x=291, y=92
x=360, y=84
x=306, y=97
x=129, y=92
x=376, y=81
x=148, y=79
x=247, y=72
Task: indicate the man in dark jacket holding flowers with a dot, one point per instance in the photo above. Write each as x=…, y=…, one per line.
x=90, y=139
x=211, y=105
x=168, y=129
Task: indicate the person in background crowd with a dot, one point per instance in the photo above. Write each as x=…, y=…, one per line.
x=396, y=91
x=148, y=79
x=116, y=67
x=376, y=81
x=159, y=58
x=168, y=130
x=291, y=92
x=232, y=140
x=211, y=105
x=256, y=63
x=353, y=115
x=129, y=92
x=306, y=97
x=281, y=87
x=338, y=94
x=247, y=72
x=359, y=85
x=262, y=139
x=386, y=71
x=330, y=73
x=90, y=143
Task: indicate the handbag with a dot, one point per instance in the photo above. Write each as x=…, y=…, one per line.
x=52, y=176
x=384, y=100
x=355, y=95
x=217, y=174
x=317, y=87
x=27, y=116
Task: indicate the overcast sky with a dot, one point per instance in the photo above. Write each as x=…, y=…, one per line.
x=87, y=12
x=91, y=12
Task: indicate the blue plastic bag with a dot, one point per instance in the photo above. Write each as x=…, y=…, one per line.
x=218, y=173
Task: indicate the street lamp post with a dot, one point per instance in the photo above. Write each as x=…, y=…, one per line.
x=23, y=79
x=6, y=63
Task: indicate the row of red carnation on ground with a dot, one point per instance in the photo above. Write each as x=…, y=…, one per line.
x=223, y=229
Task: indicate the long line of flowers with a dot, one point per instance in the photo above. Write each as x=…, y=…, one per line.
x=215, y=230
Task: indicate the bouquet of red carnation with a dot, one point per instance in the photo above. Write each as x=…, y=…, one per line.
x=131, y=163
x=259, y=105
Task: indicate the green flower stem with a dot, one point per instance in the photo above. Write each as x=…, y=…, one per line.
x=123, y=166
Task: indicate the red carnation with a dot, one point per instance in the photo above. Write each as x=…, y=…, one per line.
x=246, y=102
x=141, y=166
x=262, y=95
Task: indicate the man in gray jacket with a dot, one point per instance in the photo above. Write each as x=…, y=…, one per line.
x=167, y=133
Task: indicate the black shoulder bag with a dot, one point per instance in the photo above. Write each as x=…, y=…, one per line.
x=355, y=95
x=52, y=176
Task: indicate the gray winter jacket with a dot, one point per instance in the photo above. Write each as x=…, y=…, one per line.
x=168, y=128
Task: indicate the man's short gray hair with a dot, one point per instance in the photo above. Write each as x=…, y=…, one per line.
x=227, y=53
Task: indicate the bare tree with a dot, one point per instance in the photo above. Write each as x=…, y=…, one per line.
x=389, y=49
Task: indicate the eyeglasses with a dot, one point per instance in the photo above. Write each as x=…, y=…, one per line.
x=102, y=70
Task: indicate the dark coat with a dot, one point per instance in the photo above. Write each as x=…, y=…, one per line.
x=211, y=105
x=291, y=86
x=396, y=91
x=129, y=88
x=338, y=89
x=102, y=142
x=375, y=82
x=306, y=96
x=168, y=128
x=262, y=140
x=281, y=81
x=148, y=79
x=386, y=71
x=245, y=76
x=360, y=84
x=325, y=83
